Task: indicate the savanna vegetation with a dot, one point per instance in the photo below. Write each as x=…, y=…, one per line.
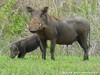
x=14, y=20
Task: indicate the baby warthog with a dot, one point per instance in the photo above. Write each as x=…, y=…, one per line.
x=24, y=46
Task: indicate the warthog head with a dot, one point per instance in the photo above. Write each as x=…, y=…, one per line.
x=38, y=19
x=14, y=51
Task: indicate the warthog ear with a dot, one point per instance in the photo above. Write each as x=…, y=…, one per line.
x=45, y=10
x=29, y=9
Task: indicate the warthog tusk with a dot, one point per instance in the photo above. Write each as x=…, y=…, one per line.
x=40, y=24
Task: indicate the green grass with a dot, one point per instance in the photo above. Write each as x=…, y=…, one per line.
x=63, y=65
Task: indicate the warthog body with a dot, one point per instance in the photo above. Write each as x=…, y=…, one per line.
x=24, y=46
x=58, y=31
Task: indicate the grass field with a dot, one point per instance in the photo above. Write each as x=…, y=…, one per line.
x=63, y=65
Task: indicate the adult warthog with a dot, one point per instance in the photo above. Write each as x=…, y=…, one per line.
x=58, y=31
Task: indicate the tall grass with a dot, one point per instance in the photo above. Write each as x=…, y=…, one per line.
x=32, y=65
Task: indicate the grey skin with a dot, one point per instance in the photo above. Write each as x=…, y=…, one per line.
x=63, y=32
x=24, y=46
